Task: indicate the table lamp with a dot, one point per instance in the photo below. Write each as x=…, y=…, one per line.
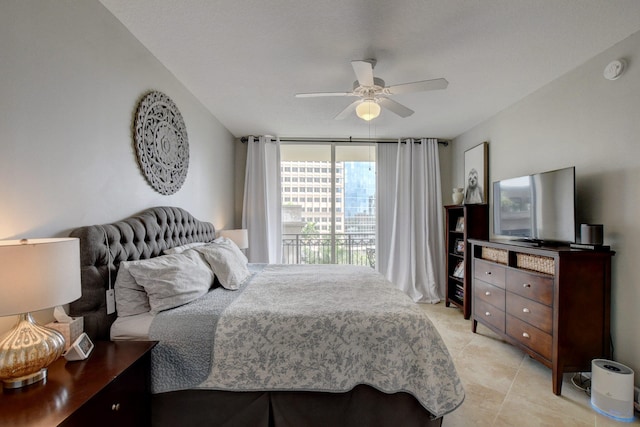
x=240, y=237
x=34, y=274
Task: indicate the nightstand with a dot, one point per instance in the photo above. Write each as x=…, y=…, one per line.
x=111, y=387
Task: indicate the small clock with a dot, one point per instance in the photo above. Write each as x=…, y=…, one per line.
x=80, y=349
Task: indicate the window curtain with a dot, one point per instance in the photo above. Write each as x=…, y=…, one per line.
x=412, y=241
x=261, y=211
x=387, y=158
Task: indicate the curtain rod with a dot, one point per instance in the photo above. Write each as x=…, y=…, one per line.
x=350, y=139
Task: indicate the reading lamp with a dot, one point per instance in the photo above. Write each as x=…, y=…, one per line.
x=240, y=237
x=34, y=274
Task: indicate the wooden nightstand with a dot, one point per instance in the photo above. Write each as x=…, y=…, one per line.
x=111, y=388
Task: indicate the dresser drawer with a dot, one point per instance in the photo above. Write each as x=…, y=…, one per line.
x=486, y=313
x=124, y=402
x=489, y=272
x=530, y=285
x=489, y=293
x=529, y=336
x=534, y=313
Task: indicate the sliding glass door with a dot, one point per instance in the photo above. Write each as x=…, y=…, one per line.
x=328, y=203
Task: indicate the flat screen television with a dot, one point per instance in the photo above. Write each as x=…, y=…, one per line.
x=539, y=208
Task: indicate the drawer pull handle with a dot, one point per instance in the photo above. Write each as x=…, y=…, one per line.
x=526, y=335
x=526, y=310
x=115, y=407
x=488, y=273
x=487, y=314
x=526, y=285
x=487, y=293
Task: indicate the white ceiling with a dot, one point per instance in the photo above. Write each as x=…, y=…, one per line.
x=245, y=59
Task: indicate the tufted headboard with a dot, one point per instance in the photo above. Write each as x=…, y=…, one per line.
x=141, y=236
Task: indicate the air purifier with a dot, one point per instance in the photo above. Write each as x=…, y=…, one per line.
x=612, y=389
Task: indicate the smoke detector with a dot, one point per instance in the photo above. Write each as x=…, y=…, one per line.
x=614, y=69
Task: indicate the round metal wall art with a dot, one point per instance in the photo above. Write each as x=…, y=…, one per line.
x=162, y=145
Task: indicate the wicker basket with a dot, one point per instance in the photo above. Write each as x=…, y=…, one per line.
x=537, y=263
x=496, y=255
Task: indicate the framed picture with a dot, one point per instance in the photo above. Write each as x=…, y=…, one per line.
x=459, y=248
x=460, y=224
x=476, y=174
x=459, y=271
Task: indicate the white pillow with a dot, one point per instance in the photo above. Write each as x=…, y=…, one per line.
x=227, y=262
x=173, y=280
x=232, y=246
x=131, y=298
x=182, y=248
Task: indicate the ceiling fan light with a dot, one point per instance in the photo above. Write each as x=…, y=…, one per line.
x=368, y=110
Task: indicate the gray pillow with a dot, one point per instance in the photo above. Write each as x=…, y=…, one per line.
x=226, y=261
x=173, y=280
x=131, y=298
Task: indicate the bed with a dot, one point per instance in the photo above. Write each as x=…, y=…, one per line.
x=285, y=345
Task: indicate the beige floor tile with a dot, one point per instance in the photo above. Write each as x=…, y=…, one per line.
x=504, y=386
x=479, y=408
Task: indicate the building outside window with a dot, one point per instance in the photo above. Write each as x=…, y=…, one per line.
x=342, y=229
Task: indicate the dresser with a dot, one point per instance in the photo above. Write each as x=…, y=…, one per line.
x=551, y=302
x=110, y=388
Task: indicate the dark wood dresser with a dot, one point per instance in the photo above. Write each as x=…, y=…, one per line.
x=551, y=302
x=110, y=388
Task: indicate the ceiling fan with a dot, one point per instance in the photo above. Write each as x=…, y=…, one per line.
x=373, y=93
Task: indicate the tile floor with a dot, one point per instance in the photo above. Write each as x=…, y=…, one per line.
x=504, y=387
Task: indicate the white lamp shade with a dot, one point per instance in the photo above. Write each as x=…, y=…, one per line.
x=368, y=110
x=240, y=237
x=38, y=273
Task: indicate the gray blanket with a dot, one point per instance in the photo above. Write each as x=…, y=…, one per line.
x=182, y=358
x=306, y=328
x=330, y=328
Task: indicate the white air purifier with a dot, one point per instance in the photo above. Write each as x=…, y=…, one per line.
x=612, y=389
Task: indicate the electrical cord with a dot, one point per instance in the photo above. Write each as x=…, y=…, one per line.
x=582, y=381
x=109, y=261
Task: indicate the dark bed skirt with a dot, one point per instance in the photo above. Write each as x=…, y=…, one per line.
x=362, y=406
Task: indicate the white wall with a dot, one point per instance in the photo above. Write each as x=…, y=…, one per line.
x=71, y=79
x=585, y=121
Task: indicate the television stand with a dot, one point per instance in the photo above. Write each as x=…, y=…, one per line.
x=551, y=302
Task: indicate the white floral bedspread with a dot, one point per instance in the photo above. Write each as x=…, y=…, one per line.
x=329, y=328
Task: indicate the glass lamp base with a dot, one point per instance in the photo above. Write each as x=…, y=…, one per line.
x=26, y=351
x=25, y=380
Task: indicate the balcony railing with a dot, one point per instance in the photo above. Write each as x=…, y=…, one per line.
x=350, y=248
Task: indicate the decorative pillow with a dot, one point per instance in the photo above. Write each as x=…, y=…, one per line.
x=232, y=245
x=227, y=262
x=172, y=280
x=131, y=298
x=182, y=248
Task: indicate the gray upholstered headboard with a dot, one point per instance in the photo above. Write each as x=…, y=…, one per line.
x=142, y=236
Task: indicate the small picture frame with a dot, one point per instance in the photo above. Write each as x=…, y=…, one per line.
x=460, y=224
x=459, y=271
x=459, y=247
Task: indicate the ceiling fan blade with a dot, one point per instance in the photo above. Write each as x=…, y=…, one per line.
x=395, y=107
x=364, y=72
x=420, y=86
x=347, y=111
x=318, y=94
